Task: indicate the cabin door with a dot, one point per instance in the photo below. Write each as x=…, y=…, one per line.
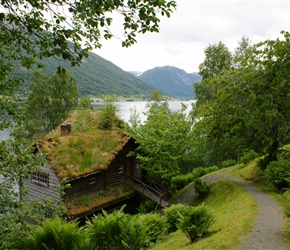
x=137, y=173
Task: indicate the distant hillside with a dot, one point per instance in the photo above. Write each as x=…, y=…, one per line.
x=96, y=76
x=173, y=81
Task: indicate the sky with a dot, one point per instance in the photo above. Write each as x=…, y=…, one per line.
x=194, y=26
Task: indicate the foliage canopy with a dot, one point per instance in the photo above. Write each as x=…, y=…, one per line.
x=50, y=101
x=247, y=106
x=164, y=140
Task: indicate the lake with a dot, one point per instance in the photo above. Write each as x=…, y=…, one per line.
x=125, y=111
x=126, y=107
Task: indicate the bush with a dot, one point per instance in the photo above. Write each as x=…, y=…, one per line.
x=146, y=207
x=103, y=230
x=123, y=231
x=212, y=169
x=278, y=174
x=172, y=215
x=228, y=163
x=133, y=234
x=155, y=225
x=180, y=181
x=195, y=221
x=202, y=188
x=201, y=171
x=56, y=234
x=248, y=156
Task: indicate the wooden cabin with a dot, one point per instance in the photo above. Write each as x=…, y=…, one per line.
x=86, y=159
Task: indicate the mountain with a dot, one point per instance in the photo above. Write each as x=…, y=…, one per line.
x=171, y=80
x=95, y=76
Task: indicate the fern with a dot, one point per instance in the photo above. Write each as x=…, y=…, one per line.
x=56, y=234
x=195, y=221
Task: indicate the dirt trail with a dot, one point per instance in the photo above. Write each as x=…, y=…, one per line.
x=267, y=232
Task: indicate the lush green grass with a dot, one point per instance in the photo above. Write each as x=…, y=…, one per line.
x=234, y=211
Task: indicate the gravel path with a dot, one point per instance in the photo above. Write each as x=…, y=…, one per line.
x=267, y=232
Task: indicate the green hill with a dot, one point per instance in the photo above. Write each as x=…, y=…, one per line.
x=95, y=76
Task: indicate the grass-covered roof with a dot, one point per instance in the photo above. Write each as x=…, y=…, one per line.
x=85, y=150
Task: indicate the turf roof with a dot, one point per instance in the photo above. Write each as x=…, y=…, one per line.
x=85, y=150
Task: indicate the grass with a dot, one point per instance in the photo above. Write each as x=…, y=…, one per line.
x=234, y=212
x=85, y=150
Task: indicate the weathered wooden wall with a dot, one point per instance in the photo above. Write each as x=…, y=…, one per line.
x=38, y=190
x=113, y=177
x=82, y=185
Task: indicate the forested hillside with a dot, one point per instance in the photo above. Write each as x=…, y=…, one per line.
x=173, y=81
x=95, y=76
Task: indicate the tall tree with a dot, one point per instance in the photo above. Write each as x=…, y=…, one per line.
x=50, y=100
x=164, y=140
x=248, y=107
x=108, y=118
x=241, y=52
x=217, y=59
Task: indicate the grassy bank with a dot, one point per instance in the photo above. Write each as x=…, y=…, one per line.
x=234, y=211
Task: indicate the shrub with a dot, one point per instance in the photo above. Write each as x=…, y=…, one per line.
x=180, y=181
x=104, y=229
x=228, y=163
x=201, y=171
x=249, y=156
x=123, y=231
x=155, y=225
x=195, y=221
x=278, y=174
x=213, y=168
x=202, y=188
x=133, y=234
x=172, y=215
x=146, y=207
x=57, y=234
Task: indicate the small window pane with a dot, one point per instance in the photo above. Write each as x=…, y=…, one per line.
x=92, y=180
x=121, y=169
x=40, y=178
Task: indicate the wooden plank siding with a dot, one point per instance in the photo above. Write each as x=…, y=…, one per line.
x=113, y=174
x=40, y=190
x=84, y=185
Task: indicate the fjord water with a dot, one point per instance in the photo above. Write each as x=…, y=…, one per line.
x=125, y=108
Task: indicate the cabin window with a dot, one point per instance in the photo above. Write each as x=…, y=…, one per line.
x=41, y=178
x=92, y=180
x=121, y=169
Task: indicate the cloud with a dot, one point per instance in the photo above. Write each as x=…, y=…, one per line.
x=196, y=24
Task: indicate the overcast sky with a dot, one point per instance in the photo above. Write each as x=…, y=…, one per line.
x=193, y=26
